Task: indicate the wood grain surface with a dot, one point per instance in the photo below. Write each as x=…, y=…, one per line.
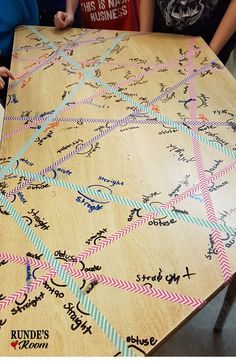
x=118, y=162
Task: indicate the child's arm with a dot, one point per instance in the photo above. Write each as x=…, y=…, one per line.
x=226, y=28
x=4, y=72
x=147, y=11
x=63, y=20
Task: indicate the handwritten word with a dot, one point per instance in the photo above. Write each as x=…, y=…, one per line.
x=52, y=125
x=22, y=198
x=39, y=222
x=26, y=161
x=52, y=290
x=3, y=186
x=78, y=323
x=111, y=181
x=93, y=150
x=24, y=83
x=147, y=198
x=41, y=141
x=27, y=344
x=2, y=297
x=87, y=204
x=214, y=167
x=217, y=138
x=170, y=131
x=211, y=249
x=180, y=153
x=28, y=273
x=182, y=182
x=158, y=222
x=74, y=143
x=134, y=211
x=37, y=257
x=27, y=305
x=148, y=341
x=129, y=128
x=91, y=286
x=216, y=187
x=63, y=171
x=64, y=256
x=38, y=186
x=224, y=112
x=170, y=278
x=180, y=211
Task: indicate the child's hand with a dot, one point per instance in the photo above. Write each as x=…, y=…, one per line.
x=4, y=72
x=63, y=20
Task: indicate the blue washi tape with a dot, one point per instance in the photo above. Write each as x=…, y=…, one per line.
x=122, y=200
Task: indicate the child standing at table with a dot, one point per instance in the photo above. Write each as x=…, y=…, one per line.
x=213, y=20
x=12, y=14
x=101, y=14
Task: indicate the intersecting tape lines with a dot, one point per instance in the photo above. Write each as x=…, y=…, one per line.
x=141, y=107
x=122, y=200
x=111, y=281
x=62, y=104
x=209, y=207
x=103, y=279
x=98, y=317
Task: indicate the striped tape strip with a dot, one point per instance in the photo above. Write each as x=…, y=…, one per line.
x=115, y=282
x=40, y=64
x=209, y=207
x=139, y=222
x=121, y=200
x=142, y=107
x=66, y=157
x=63, y=103
x=114, y=336
x=98, y=317
x=34, y=121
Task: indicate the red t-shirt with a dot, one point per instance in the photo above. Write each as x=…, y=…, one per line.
x=110, y=14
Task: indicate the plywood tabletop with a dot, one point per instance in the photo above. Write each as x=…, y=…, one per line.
x=118, y=190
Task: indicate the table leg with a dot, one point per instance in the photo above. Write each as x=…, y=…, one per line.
x=227, y=305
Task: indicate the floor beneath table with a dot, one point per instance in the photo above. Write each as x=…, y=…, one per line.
x=196, y=338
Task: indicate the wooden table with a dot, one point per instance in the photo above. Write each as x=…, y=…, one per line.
x=1, y=118
x=118, y=190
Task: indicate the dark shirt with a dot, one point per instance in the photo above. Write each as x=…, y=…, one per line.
x=191, y=17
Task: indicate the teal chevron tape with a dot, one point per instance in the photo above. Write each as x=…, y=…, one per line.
x=97, y=316
x=139, y=106
x=63, y=103
x=121, y=200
